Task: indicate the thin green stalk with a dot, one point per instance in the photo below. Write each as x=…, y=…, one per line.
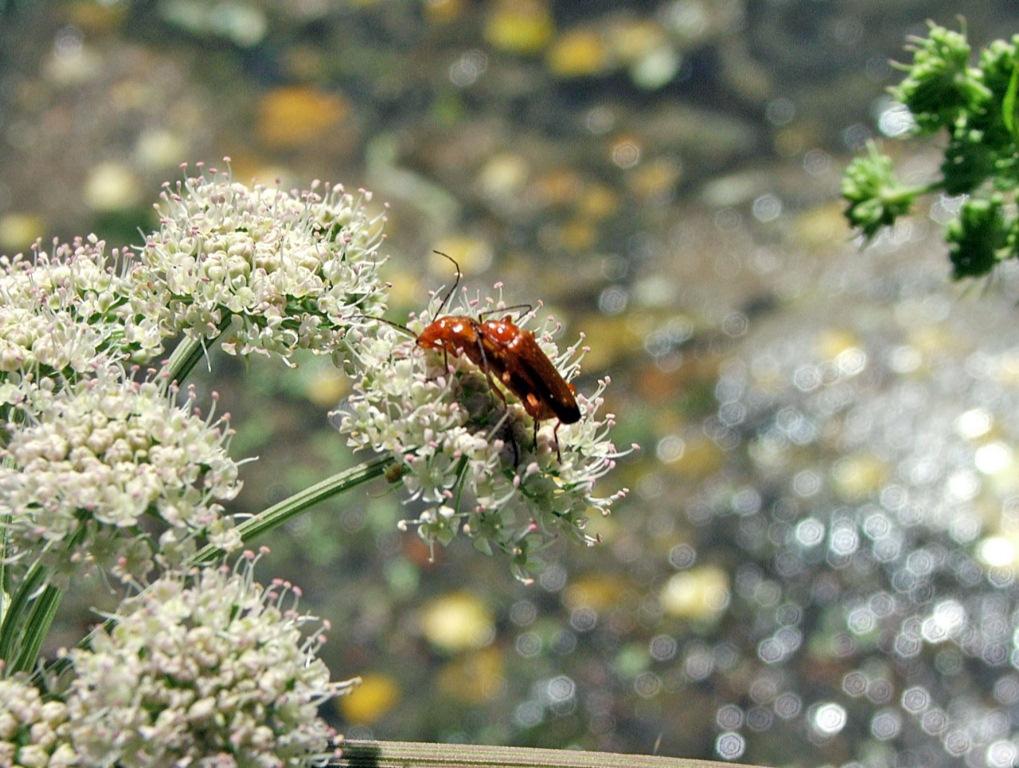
x=16, y=609
x=5, y=553
x=405, y=754
x=185, y=357
x=278, y=514
x=37, y=627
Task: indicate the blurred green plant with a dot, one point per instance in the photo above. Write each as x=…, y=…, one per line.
x=976, y=107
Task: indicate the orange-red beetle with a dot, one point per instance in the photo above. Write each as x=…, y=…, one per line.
x=508, y=354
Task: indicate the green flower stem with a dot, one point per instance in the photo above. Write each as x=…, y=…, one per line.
x=187, y=354
x=278, y=514
x=270, y=518
x=44, y=608
x=402, y=754
x=11, y=641
x=5, y=553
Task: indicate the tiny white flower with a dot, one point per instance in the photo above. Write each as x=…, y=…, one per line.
x=203, y=665
x=33, y=732
x=61, y=311
x=272, y=271
x=469, y=461
x=84, y=465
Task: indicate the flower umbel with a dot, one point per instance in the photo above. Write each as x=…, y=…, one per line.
x=976, y=107
x=876, y=197
x=61, y=311
x=88, y=462
x=273, y=271
x=209, y=668
x=940, y=84
x=32, y=731
x=468, y=459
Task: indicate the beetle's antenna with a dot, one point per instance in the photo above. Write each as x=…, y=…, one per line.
x=523, y=311
x=455, y=282
x=390, y=323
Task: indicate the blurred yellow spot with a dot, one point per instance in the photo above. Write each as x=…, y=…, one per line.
x=577, y=53
x=595, y=591
x=325, y=387
x=558, y=186
x=443, y=11
x=367, y=702
x=1007, y=372
x=700, y=457
x=598, y=201
x=820, y=225
x=158, y=148
x=406, y=290
x=472, y=254
x=700, y=593
x=616, y=339
x=577, y=235
x=656, y=180
x=858, y=476
x=111, y=186
x=96, y=18
x=20, y=230
x=504, y=175
x=475, y=678
x=931, y=339
x=833, y=342
x=456, y=622
x=520, y=26
x=295, y=116
x=632, y=40
x=603, y=527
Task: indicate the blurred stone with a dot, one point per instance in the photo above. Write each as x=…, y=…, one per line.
x=19, y=230
x=859, y=476
x=244, y=24
x=577, y=53
x=111, y=186
x=159, y=148
x=456, y=622
x=656, y=181
x=594, y=591
x=374, y=697
x=295, y=116
x=504, y=176
x=471, y=254
x=523, y=27
x=698, y=594
x=443, y=11
x=656, y=68
x=326, y=386
x=475, y=678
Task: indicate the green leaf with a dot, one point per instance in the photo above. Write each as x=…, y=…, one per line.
x=1008, y=114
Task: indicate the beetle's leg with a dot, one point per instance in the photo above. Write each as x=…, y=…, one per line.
x=513, y=441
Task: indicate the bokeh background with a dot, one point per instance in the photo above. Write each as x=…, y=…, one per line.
x=816, y=564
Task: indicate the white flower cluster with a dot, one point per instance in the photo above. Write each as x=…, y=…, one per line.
x=274, y=271
x=33, y=732
x=468, y=460
x=90, y=460
x=60, y=312
x=207, y=670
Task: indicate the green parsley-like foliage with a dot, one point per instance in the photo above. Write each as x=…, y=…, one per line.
x=976, y=107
